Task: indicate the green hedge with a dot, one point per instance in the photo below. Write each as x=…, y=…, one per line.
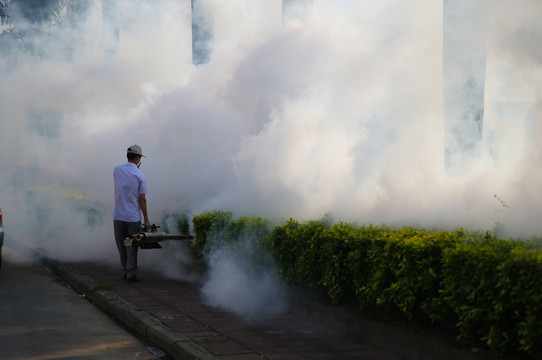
x=489, y=289
x=494, y=288
x=207, y=228
x=377, y=267
x=214, y=230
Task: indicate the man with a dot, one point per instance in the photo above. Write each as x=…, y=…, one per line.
x=130, y=203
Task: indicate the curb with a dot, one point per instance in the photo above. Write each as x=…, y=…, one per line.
x=174, y=344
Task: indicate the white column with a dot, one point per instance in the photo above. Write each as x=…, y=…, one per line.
x=464, y=68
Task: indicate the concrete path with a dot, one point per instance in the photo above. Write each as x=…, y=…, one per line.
x=42, y=319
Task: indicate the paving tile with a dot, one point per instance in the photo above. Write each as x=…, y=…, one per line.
x=221, y=345
x=250, y=356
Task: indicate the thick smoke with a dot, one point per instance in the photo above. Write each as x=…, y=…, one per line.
x=240, y=282
x=339, y=112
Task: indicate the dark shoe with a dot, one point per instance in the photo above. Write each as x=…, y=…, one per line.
x=124, y=277
x=132, y=280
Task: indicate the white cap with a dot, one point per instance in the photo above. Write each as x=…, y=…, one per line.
x=135, y=149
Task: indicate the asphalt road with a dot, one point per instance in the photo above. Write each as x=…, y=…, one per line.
x=41, y=318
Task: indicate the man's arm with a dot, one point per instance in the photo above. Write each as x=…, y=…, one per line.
x=143, y=206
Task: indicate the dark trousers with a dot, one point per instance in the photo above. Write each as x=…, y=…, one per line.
x=128, y=254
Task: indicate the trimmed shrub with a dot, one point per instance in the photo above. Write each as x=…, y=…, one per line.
x=207, y=228
x=214, y=230
x=494, y=288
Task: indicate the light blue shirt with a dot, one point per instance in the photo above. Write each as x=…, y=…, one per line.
x=130, y=182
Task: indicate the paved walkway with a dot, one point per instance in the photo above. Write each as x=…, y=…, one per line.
x=172, y=315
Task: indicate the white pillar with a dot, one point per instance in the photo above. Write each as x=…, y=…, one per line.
x=464, y=68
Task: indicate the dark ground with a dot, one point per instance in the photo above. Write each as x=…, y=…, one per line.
x=308, y=330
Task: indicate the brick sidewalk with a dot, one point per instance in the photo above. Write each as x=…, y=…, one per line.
x=178, y=305
x=309, y=330
x=172, y=315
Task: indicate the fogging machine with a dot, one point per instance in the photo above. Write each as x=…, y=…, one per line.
x=150, y=238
